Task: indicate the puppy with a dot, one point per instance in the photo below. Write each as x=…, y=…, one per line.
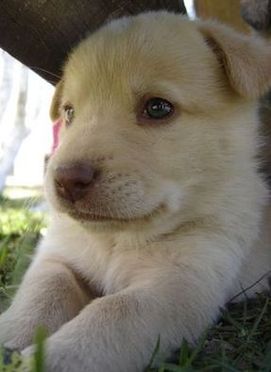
x=158, y=212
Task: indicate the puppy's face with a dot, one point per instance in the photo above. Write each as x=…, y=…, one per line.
x=144, y=103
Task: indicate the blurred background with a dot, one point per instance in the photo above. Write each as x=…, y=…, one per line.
x=25, y=140
x=25, y=127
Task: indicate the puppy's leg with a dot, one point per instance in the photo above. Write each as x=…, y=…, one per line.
x=173, y=300
x=49, y=296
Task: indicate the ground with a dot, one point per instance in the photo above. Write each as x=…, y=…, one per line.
x=240, y=341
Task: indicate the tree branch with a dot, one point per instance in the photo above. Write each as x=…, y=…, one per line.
x=41, y=33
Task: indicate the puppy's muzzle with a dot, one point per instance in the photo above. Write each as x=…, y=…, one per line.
x=74, y=181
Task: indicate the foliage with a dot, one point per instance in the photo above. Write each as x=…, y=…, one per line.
x=19, y=232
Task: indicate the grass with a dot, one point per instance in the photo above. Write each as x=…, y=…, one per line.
x=19, y=232
x=240, y=341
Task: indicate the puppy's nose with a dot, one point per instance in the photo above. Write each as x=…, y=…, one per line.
x=72, y=182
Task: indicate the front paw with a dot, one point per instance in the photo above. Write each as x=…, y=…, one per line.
x=60, y=357
x=16, y=332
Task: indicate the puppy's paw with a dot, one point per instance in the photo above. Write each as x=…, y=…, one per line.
x=15, y=332
x=60, y=357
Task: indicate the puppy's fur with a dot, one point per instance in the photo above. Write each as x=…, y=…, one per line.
x=176, y=223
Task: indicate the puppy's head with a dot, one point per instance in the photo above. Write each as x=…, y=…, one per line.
x=148, y=105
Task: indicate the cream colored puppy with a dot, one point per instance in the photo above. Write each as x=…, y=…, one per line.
x=157, y=206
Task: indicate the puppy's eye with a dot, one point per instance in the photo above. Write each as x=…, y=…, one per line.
x=68, y=114
x=157, y=108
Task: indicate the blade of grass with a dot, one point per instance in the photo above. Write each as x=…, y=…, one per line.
x=39, y=355
x=258, y=320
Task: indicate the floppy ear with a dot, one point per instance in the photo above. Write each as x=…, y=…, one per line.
x=56, y=101
x=246, y=60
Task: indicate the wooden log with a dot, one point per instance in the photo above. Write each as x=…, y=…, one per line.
x=40, y=33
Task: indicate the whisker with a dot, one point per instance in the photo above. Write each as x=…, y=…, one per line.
x=42, y=69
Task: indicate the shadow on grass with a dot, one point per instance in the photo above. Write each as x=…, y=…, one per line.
x=240, y=341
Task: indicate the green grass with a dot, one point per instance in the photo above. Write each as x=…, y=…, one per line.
x=19, y=232
x=240, y=341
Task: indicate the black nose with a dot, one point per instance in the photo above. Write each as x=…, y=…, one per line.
x=72, y=182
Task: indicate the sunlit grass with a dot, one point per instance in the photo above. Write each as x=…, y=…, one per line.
x=19, y=233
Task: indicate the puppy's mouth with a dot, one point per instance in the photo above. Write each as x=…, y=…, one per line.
x=113, y=201
x=94, y=217
x=84, y=216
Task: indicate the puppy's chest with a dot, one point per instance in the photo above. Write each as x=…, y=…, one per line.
x=106, y=266
x=111, y=270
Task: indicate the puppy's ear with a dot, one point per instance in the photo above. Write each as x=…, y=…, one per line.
x=246, y=60
x=56, y=101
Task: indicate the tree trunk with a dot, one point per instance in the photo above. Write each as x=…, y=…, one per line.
x=227, y=11
x=41, y=33
x=258, y=14
x=17, y=133
x=5, y=82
